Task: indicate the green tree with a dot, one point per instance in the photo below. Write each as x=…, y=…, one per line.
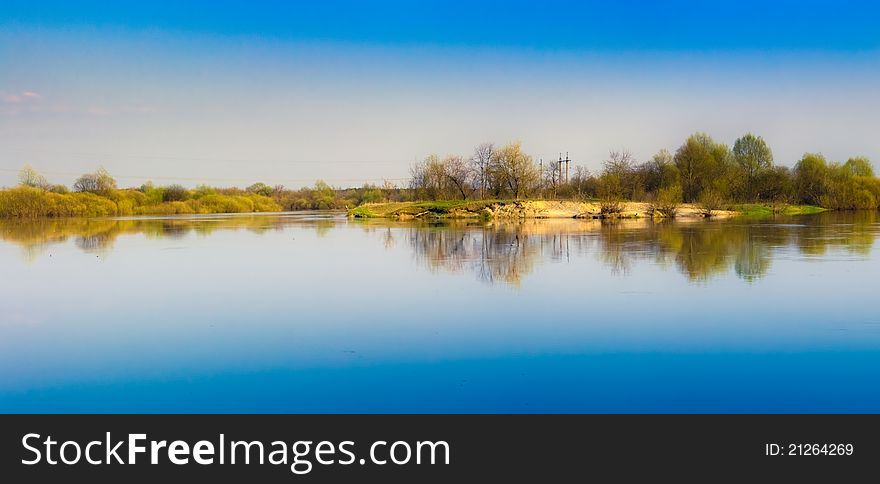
x=859, y=166
x=175, y=193
x=775, y=184
x=324, y=195
x=811, y=177
x=261, y=188
x=702, y=165
x=753, y=157
x=661, y=172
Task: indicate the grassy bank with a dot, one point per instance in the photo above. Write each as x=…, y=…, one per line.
x=767, y=210
x=29, y=202
x=439, y=208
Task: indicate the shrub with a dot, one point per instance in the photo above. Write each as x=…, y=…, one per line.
x=225, y=204
x=610, y=206
x=667, y=201
x=260, y=188
x=264, y=204
x=202, y=190
x=175, y=193
x=29, y=202
x=154, y=195
x=710, y=201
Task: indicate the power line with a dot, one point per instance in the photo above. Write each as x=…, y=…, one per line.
x=213, y=179
x=203, y=159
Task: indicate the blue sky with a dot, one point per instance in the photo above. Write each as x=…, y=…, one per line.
x=231, y=92
x=549, y=24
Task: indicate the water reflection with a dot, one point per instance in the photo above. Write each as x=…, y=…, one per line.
x=98, y=235
x=498, y=252
x=311, y=312
x=507, y=252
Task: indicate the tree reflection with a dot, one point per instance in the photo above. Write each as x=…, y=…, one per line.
x=700, y=250
x=507, y=252
x=100, y=234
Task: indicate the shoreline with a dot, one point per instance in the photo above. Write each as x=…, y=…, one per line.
x=557, y=209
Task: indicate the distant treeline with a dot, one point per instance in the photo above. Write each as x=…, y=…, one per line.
x=97, y=195
x=701, y=170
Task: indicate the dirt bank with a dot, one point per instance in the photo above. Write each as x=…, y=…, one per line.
x=518, y=209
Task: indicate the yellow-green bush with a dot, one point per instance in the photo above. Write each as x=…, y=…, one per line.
x=852, y=193
x=213, y=203
x=264, y=204
x=224, y=204
x=28, y=202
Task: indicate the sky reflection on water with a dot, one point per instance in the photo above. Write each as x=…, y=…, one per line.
x=314, y=313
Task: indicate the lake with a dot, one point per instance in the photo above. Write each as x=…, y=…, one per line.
x=312, y=312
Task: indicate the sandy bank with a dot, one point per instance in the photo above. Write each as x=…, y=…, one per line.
x=517, y=209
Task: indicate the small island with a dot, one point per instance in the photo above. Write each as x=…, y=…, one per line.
x=538, y=209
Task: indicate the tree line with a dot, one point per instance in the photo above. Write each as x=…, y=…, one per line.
x=97, y=194
x=701, y=170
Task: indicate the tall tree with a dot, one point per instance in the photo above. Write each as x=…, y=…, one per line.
x=702, y=165
x=811, y=178
x=457, y=172
x=480, y=162
x=515, y=169
x=618, y=175
x=661, y=171
x=752, y=156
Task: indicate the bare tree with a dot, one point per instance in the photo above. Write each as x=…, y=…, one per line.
x=99, y=182
x=428, y=178
x=581, y=181
x=619, y=163
x=617, y=175
x=552, y=172
x=29, y=177
x=515, y=169
x=480, y=162
x=458, y=173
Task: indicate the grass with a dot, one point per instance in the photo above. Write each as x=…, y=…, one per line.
x=438, y=208
x=768, y=210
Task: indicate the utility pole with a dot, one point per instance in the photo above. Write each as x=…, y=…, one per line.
x=562, y=176
x=567, y=162
x=541, y=171
x=559, y=169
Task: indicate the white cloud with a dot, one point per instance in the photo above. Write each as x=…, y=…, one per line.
x=19, y=98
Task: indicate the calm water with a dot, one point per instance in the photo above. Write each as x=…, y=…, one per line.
x=315, y=313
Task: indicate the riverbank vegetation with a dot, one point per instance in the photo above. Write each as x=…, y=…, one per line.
x=97, y=195
x=701, y=173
